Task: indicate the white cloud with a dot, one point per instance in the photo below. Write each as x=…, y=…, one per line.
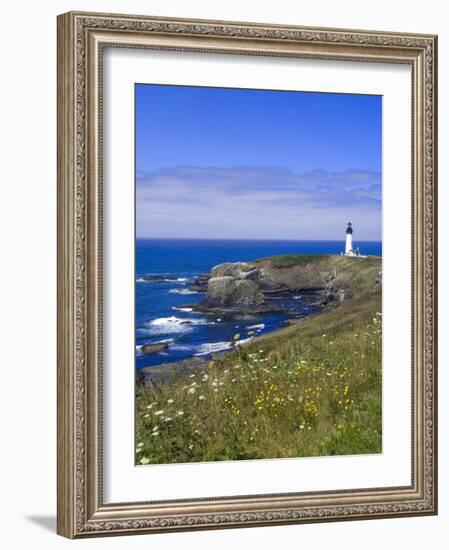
x=257, y=202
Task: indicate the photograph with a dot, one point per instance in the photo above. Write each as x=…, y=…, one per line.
x=258, y=274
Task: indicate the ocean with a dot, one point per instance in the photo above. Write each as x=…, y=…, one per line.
x=159, y=317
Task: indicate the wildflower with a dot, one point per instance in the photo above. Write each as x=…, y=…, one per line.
x=205, y=377
x=158, y=413
x=144, y=460
x=191, y=391
x=192, y=375
x=146, y=415
x=140, y=444
x=170, y=401
x=201, y=397
x=180, y=413
x=154, y=434
x=155, y=428
x=301, y=427
x=168, y=419
x=139, y=449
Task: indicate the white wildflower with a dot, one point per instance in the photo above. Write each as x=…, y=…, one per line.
x=144, y=460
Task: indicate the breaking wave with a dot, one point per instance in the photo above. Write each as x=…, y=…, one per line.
x=173, y=325
x=183, y=291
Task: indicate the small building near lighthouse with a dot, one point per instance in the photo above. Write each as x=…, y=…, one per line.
x=350, y=250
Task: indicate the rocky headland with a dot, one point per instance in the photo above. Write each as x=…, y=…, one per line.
x=262, y=286
x=254, y=287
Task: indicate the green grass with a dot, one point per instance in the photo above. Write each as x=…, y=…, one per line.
x=290, y=260
x=311, y=389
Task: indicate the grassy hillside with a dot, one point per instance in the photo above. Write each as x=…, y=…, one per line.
x=360, y=275
x=307, y=390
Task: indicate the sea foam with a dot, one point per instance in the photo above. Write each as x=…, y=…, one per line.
x=173, y=325
x=183, y=291
x=261, y=326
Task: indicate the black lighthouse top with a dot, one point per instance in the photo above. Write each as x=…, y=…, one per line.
x=349, y=229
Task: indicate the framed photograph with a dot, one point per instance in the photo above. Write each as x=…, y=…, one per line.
x=246, y=274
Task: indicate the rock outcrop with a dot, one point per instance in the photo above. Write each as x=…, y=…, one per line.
x=228, y=291
x=152, y=349
x=252, y=286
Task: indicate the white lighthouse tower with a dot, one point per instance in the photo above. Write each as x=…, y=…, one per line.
x=349, y=247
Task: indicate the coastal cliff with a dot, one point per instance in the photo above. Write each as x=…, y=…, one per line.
x=253, y=287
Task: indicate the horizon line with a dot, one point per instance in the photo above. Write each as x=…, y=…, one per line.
x=254, y=239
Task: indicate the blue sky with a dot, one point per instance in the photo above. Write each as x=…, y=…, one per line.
x=230, y=163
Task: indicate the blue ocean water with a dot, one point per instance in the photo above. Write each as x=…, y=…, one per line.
x=159, y=317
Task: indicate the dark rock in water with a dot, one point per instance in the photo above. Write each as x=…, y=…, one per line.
x=199, y=283
x=158, y=278
x=152, y=349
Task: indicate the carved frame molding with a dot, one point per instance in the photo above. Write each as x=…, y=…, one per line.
x=81, y=39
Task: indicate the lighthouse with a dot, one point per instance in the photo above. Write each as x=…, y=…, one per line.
x=348, y=248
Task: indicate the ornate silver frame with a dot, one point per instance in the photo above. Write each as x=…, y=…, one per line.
x=81, y=38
